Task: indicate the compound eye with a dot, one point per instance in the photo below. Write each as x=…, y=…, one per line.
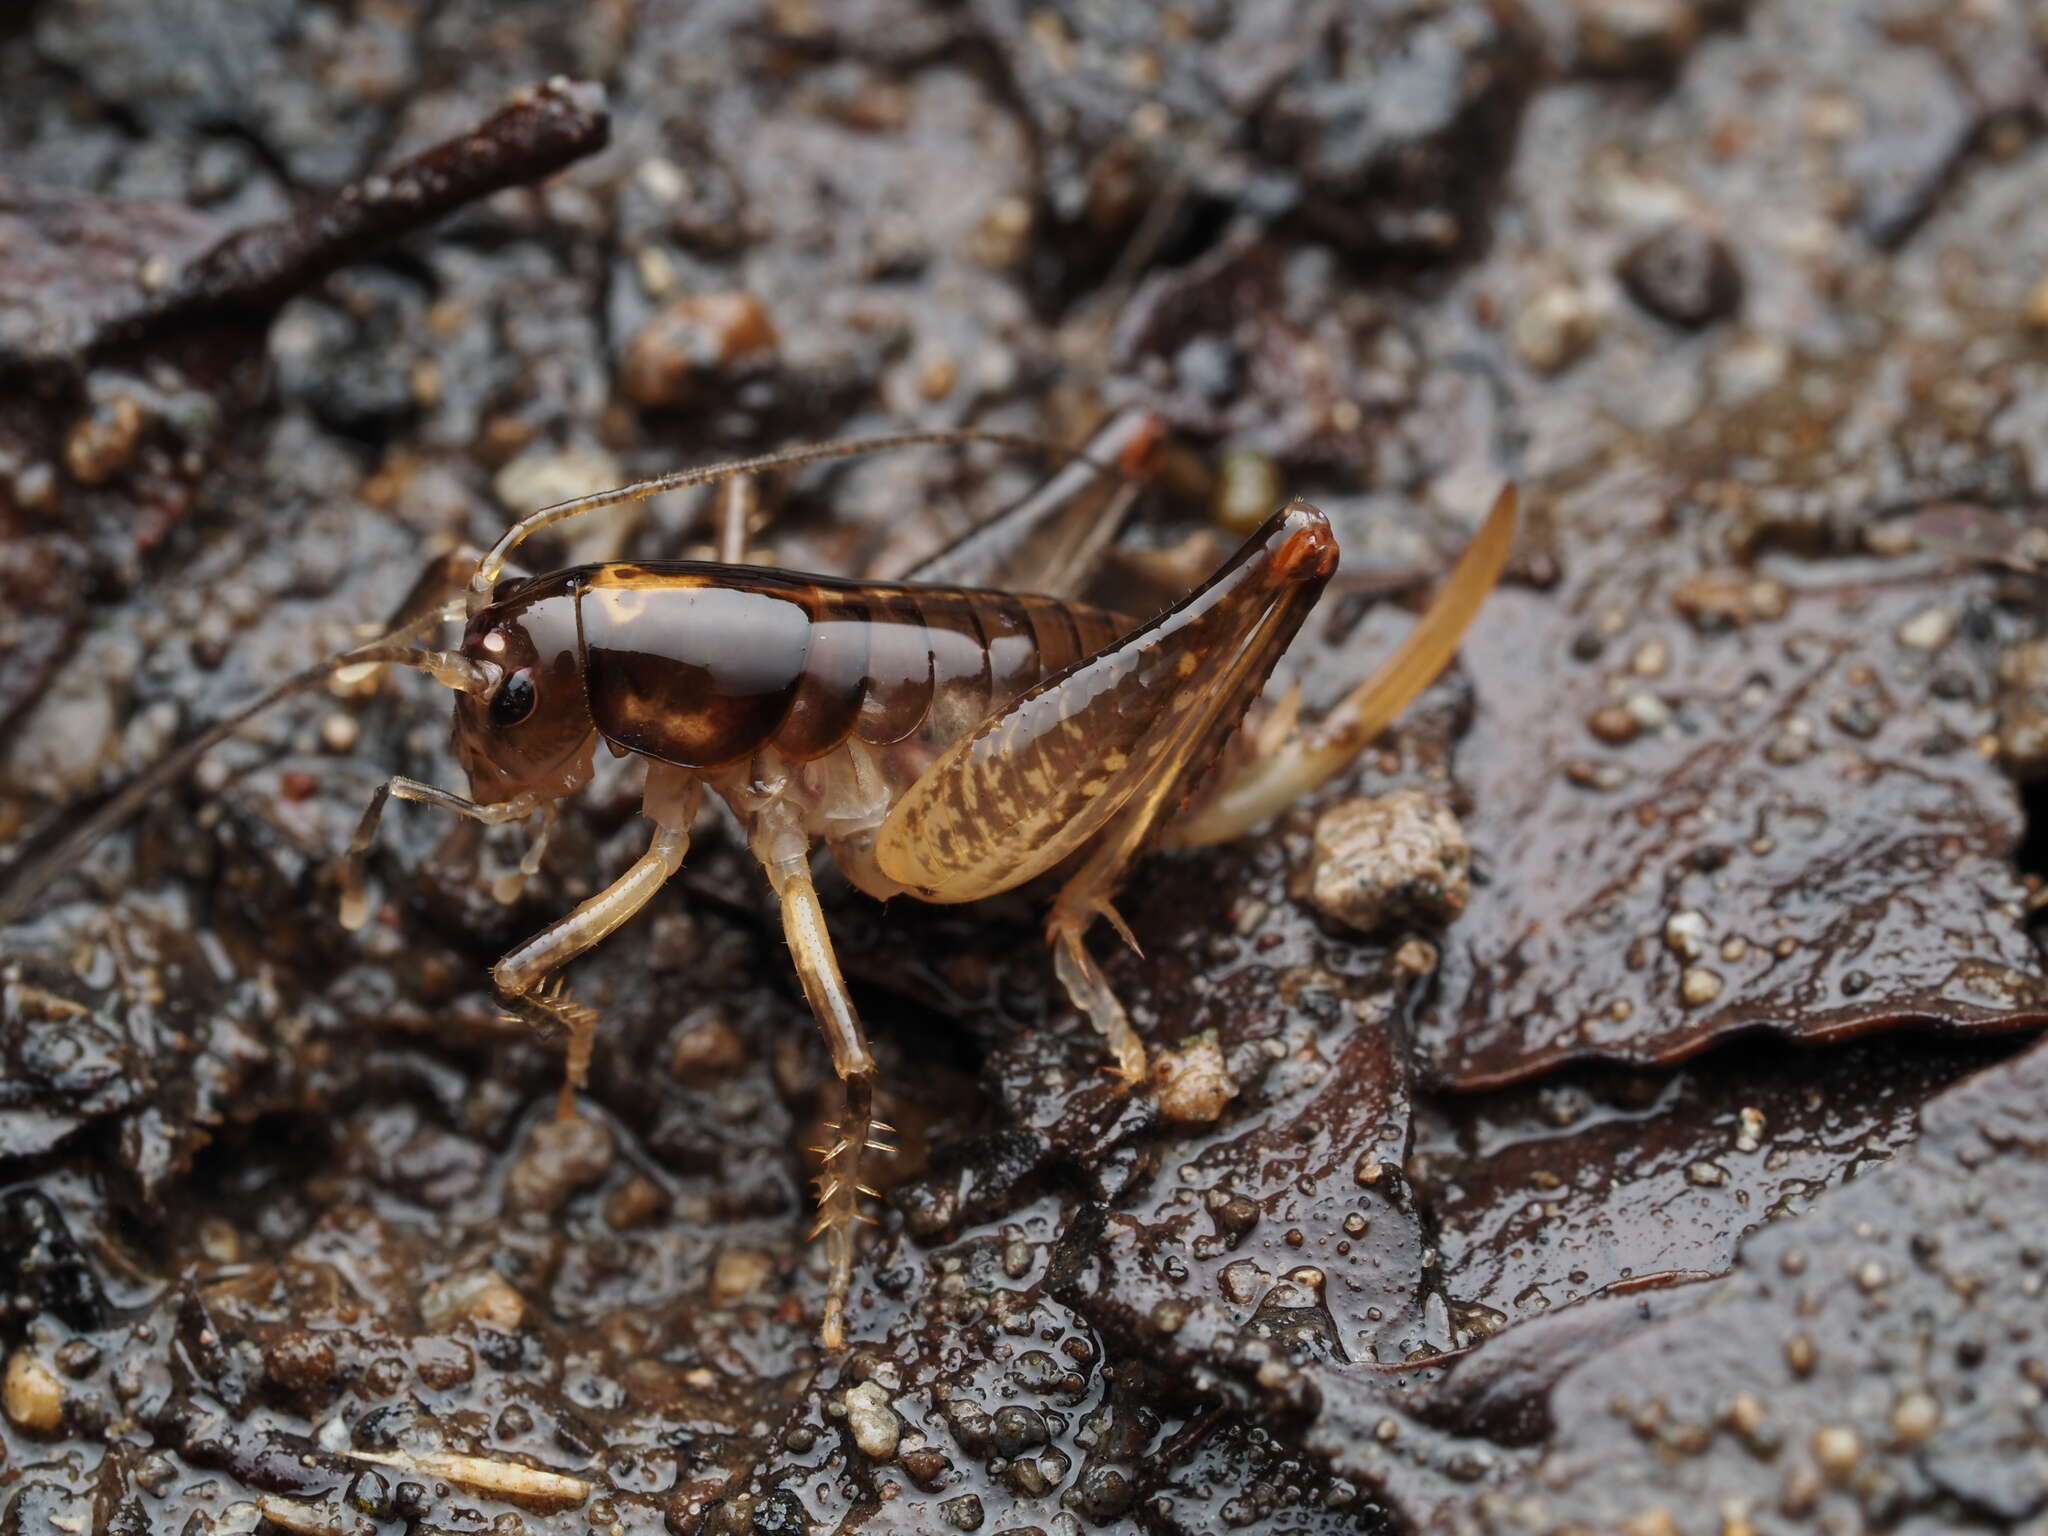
x=515, y=699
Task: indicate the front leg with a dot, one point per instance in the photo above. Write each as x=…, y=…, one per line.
x=355, y=901
x=518, y=977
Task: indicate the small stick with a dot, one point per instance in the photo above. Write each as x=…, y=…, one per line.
x=537, y=132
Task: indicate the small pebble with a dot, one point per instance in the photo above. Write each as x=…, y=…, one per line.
x=102, y=442
x=740, y=1273
x=1018, y=1430
x=1800, y=1354
x=1416, y=957
x=657, y=273
x=662, y=179
x=35, y=488
x=1248, y=490
x=1802, y=1488
x=2037, y=306
x=1927, y=630
x=1791, y=746
x=706, y=1048
x=876, y=1428
x=1685, y=933
x=1749, y=1128
x=1837, y=1449
x=936, y=378
x=479, y=1295
x=1684, y=274
x=1745, y=1414
x=33, y=1397
x=1649, y=710
x=1720, y=600
x=1614, y=724
x=1915, y=1417
x=1554, y=327
x=692, y=341
x=1859, y=717
x=636, y=1203
x=1588, y=774
x=339, y=732
x=546, y=476
x=559, y=1158
x=2023, y=708
x=1003, y=238
x=1699, y=986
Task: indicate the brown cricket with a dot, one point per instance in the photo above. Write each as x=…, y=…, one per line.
x=948, y=736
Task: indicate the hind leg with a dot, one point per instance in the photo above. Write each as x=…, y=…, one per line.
x=1066, y=929
x=1291, y=760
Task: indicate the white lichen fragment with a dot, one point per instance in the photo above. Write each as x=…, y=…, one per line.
x=1193, y=1083
x=1399, y=858
x=876, y=1428
x=1685, y=933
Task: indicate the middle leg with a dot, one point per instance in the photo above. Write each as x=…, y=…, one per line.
x=785, y=855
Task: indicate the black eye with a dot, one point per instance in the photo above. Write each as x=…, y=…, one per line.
x=514, y=700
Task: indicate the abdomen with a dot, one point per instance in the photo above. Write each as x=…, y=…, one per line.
x=705, y=666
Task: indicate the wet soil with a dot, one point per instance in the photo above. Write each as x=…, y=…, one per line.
x=1687, y=1178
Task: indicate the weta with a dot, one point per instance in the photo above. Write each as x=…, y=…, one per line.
x=955, y=734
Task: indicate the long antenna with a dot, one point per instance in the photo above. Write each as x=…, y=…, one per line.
x=492, y=565
x=28, y=882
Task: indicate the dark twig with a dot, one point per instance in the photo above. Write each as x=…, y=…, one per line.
x=540, y=130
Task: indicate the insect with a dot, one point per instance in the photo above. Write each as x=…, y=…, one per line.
x=946, y=737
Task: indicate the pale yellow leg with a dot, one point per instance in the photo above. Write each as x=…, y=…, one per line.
x=1067, y=928
x=520, y=976
x=839, y=1186
x=355, y=904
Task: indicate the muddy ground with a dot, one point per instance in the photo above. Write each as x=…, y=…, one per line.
x=1689, y=1176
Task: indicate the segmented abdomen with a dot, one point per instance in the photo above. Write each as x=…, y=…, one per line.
x=702, y=665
